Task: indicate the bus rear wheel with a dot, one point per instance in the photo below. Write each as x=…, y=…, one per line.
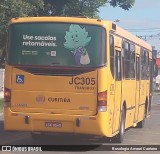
x=119, y=138
x=141, y=123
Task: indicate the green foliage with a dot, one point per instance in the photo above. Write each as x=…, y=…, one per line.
x=23, y=8
x=53, y=7
x=84, y=7
x=88, y=8
x=16, y=8
x=124, y=4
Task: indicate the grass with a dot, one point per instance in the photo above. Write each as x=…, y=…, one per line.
x=1, y=104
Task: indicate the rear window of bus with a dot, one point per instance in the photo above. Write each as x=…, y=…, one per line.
x=57, y=44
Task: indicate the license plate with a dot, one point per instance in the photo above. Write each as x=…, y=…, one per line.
x=54, y=124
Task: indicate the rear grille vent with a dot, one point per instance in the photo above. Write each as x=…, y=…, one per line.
x=55, y=72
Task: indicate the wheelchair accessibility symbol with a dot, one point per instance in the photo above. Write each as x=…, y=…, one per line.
x=20, y=79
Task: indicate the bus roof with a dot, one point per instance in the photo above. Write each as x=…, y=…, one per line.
x=129, y=36
x=84, y=20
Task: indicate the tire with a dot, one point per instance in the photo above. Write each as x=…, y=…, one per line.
x=141, y=124
x=120, y=136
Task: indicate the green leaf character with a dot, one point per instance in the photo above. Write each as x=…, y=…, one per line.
x=76, y=40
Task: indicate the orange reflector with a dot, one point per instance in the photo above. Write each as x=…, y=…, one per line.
x=7, y=97
x=6, y=94
x=14, y=114
x=102, y=95
x=92, y=118
x=102, y=101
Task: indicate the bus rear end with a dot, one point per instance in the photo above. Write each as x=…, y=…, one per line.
x=51, y=80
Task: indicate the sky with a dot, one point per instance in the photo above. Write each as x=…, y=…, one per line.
x=143, y=19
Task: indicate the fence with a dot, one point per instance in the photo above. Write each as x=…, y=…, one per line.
x=1, y=79
x=1, y=82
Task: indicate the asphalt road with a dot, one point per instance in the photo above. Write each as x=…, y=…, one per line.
x=149, y=135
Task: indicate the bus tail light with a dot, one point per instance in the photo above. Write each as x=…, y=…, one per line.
x=102, y=101
x=7, y=97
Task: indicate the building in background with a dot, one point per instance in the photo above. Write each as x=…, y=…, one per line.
x=158, y=77
x=154, y=57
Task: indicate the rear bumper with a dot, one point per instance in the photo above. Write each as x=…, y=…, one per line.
x=35, y=122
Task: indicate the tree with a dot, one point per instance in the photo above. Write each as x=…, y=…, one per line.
x=124, y=4
x=81, y=7
x=53, y=7
x=22, y=8
x=13, y=9
x=72, y=7
x=84, y=7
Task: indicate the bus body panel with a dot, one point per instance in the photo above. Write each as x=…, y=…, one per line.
x=37, y=123
x=48, y=94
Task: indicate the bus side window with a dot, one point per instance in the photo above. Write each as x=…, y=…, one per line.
x=147, y=64
x=126, y=59
x=137, y=68
x=144, y=64
x=155, y=68
x=118, y=65
x=132, y=61
x=112, y=55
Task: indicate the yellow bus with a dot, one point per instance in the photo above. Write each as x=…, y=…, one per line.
x=75, y=75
